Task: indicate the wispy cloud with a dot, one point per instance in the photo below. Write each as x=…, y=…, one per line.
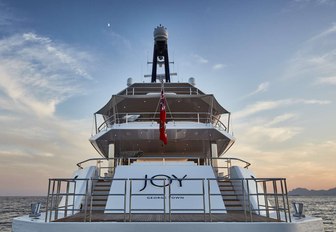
x=316, y=58
x=324, y=33
x=37, y=74
x=269, y=105
x=218, y=66
x=262, y=133
x=281, y=118
x=302, y=156
x=327, y=80
x=200, y=59
x=6, y=17
x=319, y=2
x=118, y=40
x=262, y=87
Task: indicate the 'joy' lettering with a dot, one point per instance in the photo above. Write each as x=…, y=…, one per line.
x=162, y=180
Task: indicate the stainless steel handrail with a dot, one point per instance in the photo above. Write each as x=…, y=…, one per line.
x=177, y=89
x=198, y=160
x=277, y=191
x=280, y=198
x=199, y=117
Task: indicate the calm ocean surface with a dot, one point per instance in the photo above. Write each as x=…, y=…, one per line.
x=324, y=207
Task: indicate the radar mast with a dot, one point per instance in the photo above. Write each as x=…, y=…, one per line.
x=160, y=53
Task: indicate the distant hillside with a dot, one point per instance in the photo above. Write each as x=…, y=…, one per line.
x=306, y=192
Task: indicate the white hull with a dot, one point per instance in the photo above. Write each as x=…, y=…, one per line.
x=25, y=224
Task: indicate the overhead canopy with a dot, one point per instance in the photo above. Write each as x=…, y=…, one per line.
x=149, y=103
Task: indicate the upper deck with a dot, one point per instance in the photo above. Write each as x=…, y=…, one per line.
x=130, y=120
x=141, y=100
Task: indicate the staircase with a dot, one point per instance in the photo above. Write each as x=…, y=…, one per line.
x=230, y=196
x=99, y=195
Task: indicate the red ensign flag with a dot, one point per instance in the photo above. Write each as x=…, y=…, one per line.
x=163, y=133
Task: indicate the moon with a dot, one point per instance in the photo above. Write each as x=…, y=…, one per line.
x=108, y=25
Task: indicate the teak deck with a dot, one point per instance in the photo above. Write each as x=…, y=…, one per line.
x=180, y=217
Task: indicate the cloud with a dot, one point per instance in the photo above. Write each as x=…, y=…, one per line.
x=269, y=105
x=37, y=74
x=317, y=157
x=200, y=59
x=327, y=80
x=262, y=87
x=318, y=2
x=329, y=31
x=315, y=58
x=6, y=17
x=281, y=118
x=119, y=41
x=218, y=66
x=262, y=130
x=264, y=133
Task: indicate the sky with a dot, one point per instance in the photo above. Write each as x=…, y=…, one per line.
x=270, y=63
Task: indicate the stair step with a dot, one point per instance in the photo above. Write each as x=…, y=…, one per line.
x=232, y=203
x=230, y=195
x=98, y=204
x=234, y=208
x=230, y=198
x=226, y=188
x=103, y=183
x=98, y=208
x=99, y=200
x=101, y=191
x=102, y=187
x=225, y=185
x=228, y=192
x=100, y=197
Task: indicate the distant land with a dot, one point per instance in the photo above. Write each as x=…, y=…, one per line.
x=307, y=192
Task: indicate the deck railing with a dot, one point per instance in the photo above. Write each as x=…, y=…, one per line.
x=221, y=165
x=257, y=196
x=154, y=117
x=139, y=90
x=254, y=204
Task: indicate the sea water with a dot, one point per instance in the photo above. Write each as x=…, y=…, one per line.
x=322, y=207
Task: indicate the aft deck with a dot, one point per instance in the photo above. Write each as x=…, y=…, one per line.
x=177, y=217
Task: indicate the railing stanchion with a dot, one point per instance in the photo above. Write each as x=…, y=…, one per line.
x=283, y=200
x=276, y=200
x=164, y=200
x=257, y=191
x=58, y=190
x=130, y=202
x=169, y=202
x=266, y=198
x=47, y=203
x=73, y=198
x=248, y=197
x=203, y=194
x=209, y=198
x=52, y=200
x=244, y=199
x=66, y=200
x=125, y=193
x=91, y=201
x=289, y=215
x=85, y=200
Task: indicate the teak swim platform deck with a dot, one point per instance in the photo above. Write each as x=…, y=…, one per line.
x=177, y=217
